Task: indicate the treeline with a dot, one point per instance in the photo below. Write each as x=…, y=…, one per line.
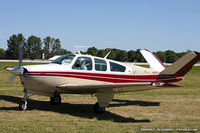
x=167, y=56
x=33, y=47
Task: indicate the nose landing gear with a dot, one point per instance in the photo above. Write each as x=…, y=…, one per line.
x=23, y=103
x=56, y=99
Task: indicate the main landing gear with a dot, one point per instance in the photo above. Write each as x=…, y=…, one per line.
x=97, y=109
x=103, y=100
x=56, y=99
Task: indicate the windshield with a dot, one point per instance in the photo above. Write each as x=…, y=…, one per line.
x=65, y=59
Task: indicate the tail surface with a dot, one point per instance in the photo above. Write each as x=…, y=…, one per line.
x=183, y=65
x=153, y=61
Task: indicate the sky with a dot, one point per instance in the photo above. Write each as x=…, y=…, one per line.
x=122, y=24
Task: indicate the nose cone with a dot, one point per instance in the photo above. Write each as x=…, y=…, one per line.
x=17, y=71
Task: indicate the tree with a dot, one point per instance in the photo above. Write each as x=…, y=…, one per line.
x=113, y=54
x=48, y=44
x=56, y=47
x=170, y=56
x=182, y=54
x=64, y=51
x=122, y=55
x=160, y=55
x=131, y=56
x=101, y=53
x=2, y=53
x=13, y=44
x=92, y=51
x=139, y=57
x=51, y=47
x=33, y=47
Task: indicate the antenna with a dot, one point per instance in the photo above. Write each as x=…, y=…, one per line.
x=77, y=47
x=107, y=55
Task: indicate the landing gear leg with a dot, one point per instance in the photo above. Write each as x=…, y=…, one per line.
x=103, y=100
x=56, y=99
x=23, y=102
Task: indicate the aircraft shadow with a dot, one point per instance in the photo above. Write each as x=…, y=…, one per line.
x=79, y=110
x=129, y=102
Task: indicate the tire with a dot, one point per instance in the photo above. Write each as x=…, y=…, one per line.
x=23, y=105
x=55, y=100
x=97, y=109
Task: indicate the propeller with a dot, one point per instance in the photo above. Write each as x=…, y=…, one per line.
x=18, y=70
x=11, y=78
x=20, y=53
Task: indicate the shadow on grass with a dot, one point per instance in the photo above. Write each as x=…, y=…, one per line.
x=79, y=110
x=129, y=102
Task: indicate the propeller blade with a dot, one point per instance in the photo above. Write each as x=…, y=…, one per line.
x=11, y=78
x=19, y=70
x=20, y=52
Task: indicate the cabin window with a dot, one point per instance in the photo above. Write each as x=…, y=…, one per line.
x=100, y=65
x=114, y=67
x=83, y=63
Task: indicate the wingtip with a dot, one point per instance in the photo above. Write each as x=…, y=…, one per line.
x=197, y=53
x=146, y=50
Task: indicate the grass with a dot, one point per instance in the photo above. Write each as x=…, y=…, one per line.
x=128, y=112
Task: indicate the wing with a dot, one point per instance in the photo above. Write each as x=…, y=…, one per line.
x=98, y=87
x=107, y=87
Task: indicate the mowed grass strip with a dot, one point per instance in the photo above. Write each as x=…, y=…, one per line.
x=173, y=107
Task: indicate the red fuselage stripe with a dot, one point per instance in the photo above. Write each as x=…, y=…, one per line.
x=114, y=78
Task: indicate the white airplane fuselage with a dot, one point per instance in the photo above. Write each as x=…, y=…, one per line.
x=46, y=78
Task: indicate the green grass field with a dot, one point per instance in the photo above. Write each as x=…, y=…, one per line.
x=129, y=112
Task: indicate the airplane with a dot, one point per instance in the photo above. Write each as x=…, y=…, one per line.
x=102, y=77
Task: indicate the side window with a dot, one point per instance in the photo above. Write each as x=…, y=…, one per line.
x=83, y=63
x=100, y=65
x=114, y=67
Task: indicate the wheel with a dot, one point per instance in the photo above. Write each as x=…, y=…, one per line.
x=55, y=100
x=23, y=104
x=97, y=109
